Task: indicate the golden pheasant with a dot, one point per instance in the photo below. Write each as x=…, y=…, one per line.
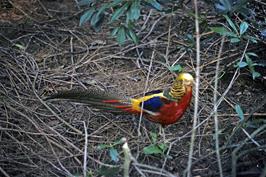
x=163, y=107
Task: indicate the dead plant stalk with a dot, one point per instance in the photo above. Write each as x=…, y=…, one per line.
x=215, y=108
x=196, y=105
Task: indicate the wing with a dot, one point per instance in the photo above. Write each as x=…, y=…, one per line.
x=153, y=104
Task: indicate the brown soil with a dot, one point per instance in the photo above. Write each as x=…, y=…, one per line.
x=43, y=50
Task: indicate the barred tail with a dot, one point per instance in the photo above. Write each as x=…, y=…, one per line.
x=95, y=98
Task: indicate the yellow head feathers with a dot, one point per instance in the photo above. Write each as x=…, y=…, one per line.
x=187, y=79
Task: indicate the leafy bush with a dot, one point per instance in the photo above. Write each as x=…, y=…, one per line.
x=250, y=64
x=231, y=6
x=155, y=147
x=233, y=32
x=122, y=15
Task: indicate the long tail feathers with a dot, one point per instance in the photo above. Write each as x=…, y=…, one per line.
x=96, y=98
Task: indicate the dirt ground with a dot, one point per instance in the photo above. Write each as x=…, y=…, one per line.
x=44, y=50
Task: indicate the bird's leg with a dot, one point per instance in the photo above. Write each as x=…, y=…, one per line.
x=162, y=133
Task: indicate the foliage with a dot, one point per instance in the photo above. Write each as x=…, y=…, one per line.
x=236, y=34
x=114, y=157
x=113, y=153
x=122, y=15
x=176, y=68
x=233, y=32
x=250, y=64
x=239, y=112
x=231, y=6
x=155, y=147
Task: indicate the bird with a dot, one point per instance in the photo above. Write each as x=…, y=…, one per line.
x=164, y=107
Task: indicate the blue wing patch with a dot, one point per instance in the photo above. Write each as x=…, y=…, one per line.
x=154, y=104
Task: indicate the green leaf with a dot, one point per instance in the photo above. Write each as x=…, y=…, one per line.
x=239, y=112
x=251, y=54
x=121, y=35
x=190, y=38
x=134, y=11
x=120, y=11
x=97, y=17
x=103, y=8
x=120, y=141
x=243, y=28
x=97, y=26
x=103, y=146
x=152, y=149
x=248, y=59
x=20, y=46
x=255, y=75
x=231, y=34
x=242, y=64
x=176, y=68
x=233, y=26
x=223, y=31
x=251, y=66
x=220, y=30
x=162, y=146
x=259, y=64
x=115, y=30
x=86, y=16
x=234, y=40
x=133, y=36
x=114, y=154
x=251, y=38
x=154, y=137
x=155, y=4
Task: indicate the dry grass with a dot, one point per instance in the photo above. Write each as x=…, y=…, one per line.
x=55, y=138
